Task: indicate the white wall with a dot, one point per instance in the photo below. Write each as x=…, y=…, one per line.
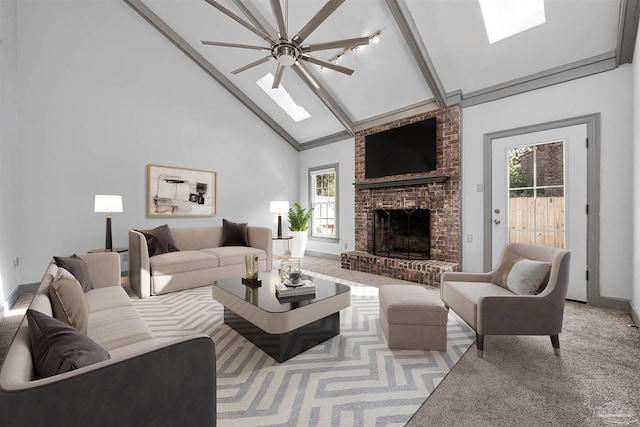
x=635, y=300
x=103, y=94
x=606, y=93
x=343, y=154
x=8, y=144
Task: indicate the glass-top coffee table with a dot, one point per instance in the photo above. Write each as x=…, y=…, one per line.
x=282, y=328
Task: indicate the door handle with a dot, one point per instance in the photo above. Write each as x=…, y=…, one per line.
x=496, y=221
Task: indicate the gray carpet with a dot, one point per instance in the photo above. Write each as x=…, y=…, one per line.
x=596, y=381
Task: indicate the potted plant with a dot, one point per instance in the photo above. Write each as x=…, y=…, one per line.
x=298, y=224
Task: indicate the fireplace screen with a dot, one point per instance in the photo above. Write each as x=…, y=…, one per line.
x=402, y=233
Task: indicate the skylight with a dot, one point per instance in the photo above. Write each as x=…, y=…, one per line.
x=504, y=18
x=283, y=99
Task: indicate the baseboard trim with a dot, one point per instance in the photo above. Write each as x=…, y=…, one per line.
x=617, y=303
x=323, y=255
x=635, y=315
x=15, y=294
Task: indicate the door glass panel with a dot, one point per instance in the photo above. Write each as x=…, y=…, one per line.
x=536, y=194
x=550, y=164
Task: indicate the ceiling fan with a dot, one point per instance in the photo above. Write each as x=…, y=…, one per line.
x=288, y=52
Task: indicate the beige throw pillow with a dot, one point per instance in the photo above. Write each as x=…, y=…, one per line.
x=68, y=301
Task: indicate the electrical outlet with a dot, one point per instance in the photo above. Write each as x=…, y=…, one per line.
x=479, y=188
x=346, y=245
x=469, y=238
x=16, y=263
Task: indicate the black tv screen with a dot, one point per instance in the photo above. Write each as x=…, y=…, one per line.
x=402, y=150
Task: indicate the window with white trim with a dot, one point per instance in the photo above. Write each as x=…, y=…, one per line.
x=323, y=188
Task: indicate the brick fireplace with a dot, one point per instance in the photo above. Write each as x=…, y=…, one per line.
x=437, y=191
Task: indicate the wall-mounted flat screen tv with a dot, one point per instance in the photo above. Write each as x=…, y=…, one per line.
x=402, y=150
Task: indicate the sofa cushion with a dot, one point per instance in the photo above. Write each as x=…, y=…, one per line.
x=526, y=277
x=58, y=347
x=234, y=234
x=159, y=240
x=68, y=301
x=233, y=255
x=179, y=262
x=118, y=327
x=464, y=298
x=106, y=298
x=78, y=267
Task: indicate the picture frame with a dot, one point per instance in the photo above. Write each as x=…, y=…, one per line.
x=180, y=192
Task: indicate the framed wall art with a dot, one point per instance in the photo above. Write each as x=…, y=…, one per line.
x=180, y=192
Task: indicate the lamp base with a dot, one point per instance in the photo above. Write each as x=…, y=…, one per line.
x=108, y=244
x=279, y=226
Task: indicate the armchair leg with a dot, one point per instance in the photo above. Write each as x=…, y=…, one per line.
x=555, y=342
x=479, y=345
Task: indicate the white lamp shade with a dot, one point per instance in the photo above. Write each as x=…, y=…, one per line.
x=108, y=203
x=279, y=206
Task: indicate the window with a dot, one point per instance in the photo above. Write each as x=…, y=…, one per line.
x=323, y=187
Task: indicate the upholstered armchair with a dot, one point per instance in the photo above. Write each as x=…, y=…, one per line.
x=523, y=295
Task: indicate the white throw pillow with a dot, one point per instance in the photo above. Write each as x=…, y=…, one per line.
x=526, y=276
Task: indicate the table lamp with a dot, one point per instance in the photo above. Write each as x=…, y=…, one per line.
x=279, y=207
x=108, y=204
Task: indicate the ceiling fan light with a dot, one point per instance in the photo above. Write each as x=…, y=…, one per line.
x=286, y=59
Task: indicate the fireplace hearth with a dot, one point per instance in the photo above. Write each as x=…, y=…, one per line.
x=402, y=233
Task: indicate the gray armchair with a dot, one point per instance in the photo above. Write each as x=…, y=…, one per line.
x=484, y=301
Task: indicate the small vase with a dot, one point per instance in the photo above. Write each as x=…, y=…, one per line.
x=251, y=265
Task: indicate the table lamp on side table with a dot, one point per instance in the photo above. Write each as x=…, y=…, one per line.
x=108, y=204
x=279, y=207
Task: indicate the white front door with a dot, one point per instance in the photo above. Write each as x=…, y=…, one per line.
x=539, y=195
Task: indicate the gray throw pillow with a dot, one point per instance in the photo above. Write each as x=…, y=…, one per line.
x=159, y=240
x=234, y=234
x=59, y=348
x=527, y=277
x=76, y=266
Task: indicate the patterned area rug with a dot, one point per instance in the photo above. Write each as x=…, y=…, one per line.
x=352, y=379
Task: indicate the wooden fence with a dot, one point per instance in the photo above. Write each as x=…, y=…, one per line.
x=537, y=220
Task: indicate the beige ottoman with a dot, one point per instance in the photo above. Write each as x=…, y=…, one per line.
x=412, y=318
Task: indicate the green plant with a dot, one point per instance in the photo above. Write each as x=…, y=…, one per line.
x=299, y=218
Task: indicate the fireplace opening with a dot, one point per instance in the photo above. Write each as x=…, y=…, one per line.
x=402, y=233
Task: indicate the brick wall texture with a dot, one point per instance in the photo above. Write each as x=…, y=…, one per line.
x=442, y=199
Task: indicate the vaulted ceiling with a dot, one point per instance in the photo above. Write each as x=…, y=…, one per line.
x=430, y=54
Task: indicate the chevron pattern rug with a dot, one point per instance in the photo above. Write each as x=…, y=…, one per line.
x=353, y=379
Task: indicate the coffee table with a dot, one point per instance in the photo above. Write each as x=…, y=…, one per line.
x=282, y=328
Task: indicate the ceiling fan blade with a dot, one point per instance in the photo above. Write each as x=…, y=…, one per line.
x=277, y=12
x=256, y=18
x=239, y=20
x=305, y=75
x=318, y=19
x=278, y=76
x=327, y=64
x=345, y=43
x=253, y=64
x=242, y=46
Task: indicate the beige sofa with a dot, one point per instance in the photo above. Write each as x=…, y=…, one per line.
x=144, y=382
x=200, y=261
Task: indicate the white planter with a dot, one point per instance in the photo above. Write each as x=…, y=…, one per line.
x=298, y=243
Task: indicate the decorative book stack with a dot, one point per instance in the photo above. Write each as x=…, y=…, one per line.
x=305, y=287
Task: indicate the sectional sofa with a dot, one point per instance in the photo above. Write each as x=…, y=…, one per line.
x=169, y=259
x=140, y=381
